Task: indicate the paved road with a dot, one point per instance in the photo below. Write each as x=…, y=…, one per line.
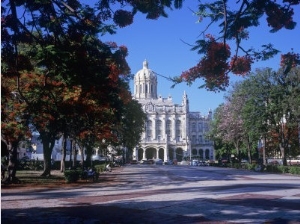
x=162, y=194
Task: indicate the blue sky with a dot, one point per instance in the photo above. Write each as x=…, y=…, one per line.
x=160, y=42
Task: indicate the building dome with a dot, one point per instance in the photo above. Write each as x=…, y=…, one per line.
x=145, y=83
x=145, y=73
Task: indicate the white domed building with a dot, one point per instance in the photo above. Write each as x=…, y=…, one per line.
x=171, y=131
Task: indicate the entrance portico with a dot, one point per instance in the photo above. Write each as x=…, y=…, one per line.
x=151, y=152
x=159, y=152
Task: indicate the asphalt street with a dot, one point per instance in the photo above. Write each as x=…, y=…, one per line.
x=161, y=194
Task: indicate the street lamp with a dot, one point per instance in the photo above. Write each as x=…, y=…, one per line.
x=289, y=146
x=189, y=149
x=71, y=149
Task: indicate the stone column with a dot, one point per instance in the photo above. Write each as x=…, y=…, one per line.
x=183, y=125
x=154, y=128
x=134, y=153
x=163, y=131
x=166, y=155
x=174, y=153
x=173, y=128
x=144, y=153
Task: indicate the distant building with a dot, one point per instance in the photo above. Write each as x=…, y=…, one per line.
x=171, y=130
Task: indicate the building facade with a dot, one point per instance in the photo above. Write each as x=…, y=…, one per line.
x=171, y=130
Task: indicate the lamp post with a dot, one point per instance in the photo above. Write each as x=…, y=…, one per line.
x=71, y=149
x=289, y=146
x=189, y=149
x=104, y=150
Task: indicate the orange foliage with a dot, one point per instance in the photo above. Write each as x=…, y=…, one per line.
x=241, y=65
x=290, y=59
x=212, y=67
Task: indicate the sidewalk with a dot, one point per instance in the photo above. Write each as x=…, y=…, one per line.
x=158, y=194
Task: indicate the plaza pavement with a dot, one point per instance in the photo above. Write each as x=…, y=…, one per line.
x=131, y=194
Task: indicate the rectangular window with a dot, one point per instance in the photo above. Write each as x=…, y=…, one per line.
x=193, y=127
x=200, y=138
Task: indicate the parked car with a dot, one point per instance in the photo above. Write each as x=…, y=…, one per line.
x=158, y=162
x=143, y=161
x=134, y=162
x=98, y=158
x=183, y=163
x=170, y=162
x=195, y=162
x=203, y=163
x=149, y=161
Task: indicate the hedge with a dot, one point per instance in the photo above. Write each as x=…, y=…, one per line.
x=294, y=170
x=270, y=168
x=71, y=176
x=100, y=168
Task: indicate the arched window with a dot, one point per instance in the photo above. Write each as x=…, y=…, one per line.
x=158, y=124
x=194, y=152
x=169, y=134
x=178, y=135
x=169, y=125
x=207, y=154
x=149, y=129
x=201, y=153
x=178, y=125
x=149, y=134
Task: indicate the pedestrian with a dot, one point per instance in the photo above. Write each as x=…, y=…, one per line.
x=108, y=168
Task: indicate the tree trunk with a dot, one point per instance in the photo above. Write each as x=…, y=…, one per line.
x=249, y=155
x=12, y=162
x=74, y=153
x=249, y=150
x=238, y=151
x=82, y=157
x=71, y=150
x=47, y=149
x=282, y=150
x=89, y=152
x=264, y=152
x=63, y=157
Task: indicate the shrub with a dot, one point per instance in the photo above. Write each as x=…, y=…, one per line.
x=100, y=168
x=283, y=169
x=249, y=166
x=295, y=170
x=71, y=176
x=271, y=168
x=277, y=169
x=235, y=165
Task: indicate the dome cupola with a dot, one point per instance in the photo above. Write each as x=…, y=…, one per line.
x=145, y=83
